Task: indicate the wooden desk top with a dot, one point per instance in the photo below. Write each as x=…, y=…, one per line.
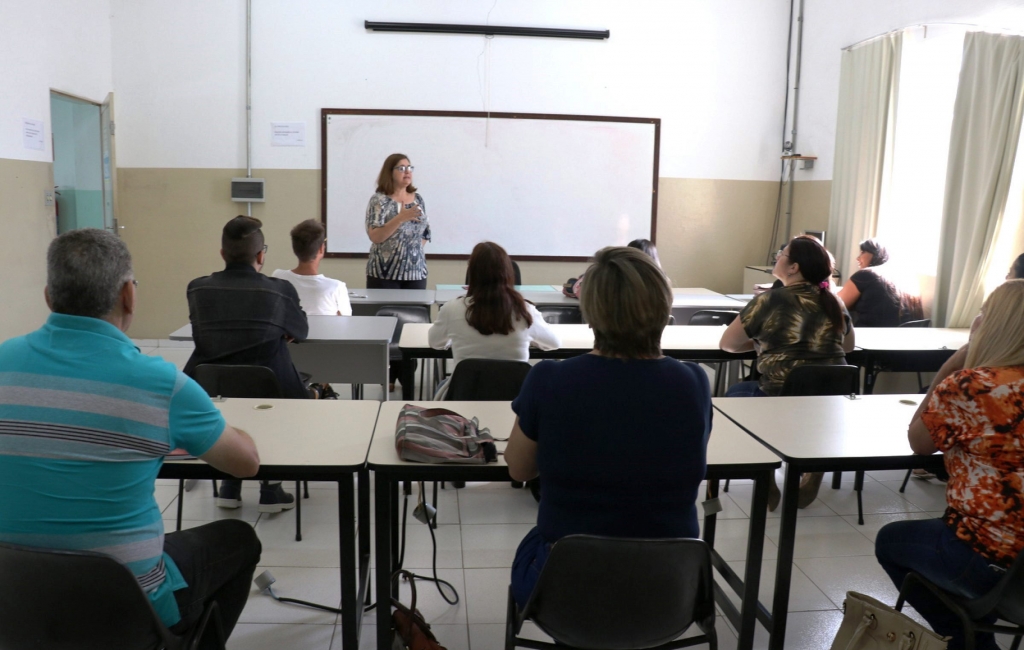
x=333, y=329
x=911, y=338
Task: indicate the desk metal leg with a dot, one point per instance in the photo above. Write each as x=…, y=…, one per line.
x=784, y=570
x=351, y=607
x=383, y=504
x=750, y=606
x=181, y=499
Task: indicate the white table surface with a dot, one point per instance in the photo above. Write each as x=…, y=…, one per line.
x=870, y=426
x=911, y=338
x=332, y=329
x=391, y=296
x=309, y=433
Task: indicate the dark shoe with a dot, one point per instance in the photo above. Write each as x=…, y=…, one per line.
x=230, y=495
x=458, y=485
x=809, y=485
x=273, y=498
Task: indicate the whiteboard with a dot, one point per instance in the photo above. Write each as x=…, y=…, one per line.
x=543, y=187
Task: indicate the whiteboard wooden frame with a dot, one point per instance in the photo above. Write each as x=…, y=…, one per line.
x=325, y=112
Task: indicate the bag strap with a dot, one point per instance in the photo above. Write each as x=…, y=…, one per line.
x=866, y=623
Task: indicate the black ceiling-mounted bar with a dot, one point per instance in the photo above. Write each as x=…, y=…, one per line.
x=487, y=30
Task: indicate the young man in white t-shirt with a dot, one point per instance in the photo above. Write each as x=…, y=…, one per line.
x=318, y=295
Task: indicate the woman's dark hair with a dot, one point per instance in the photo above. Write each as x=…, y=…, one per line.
x=879, y=255
x=815, y=267
x=646, y=246
x=1017, y=268
x=495, y=304
x=385, y=181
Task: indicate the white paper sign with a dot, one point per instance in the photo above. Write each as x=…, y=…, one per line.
x=288, y=134
x=32, y=134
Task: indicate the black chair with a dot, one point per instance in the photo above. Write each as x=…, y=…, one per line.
x=1005, y=601
x=80, y=600
x=561, y=315
x=515, y=270
x=406, y=369
x=715, y=317
x=243, y=381
x=605, y=593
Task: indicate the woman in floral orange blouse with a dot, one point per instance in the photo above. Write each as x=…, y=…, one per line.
x=974, y=414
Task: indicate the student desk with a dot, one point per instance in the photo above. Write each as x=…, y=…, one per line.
x=366, y=302
x=339, y=349
x=311, y=440
x=822, y=434
x=461, y=288
x=731, y=455
x=907, y=349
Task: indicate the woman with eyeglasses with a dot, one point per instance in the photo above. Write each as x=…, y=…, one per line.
x=396, y=223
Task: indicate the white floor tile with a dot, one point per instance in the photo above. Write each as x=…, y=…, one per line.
x=319, y=546
x=271, y=636
x=804, y=595
x=322, y=586
x=486, y=595
x=491, y=545
x=929, y=495
x=497, y=506
x=419, y=548
x=825, y=537
x=805, y=630
x=837, y=575
x=879, y=475
x=876, y=497
x=744, y=494
x=731, y=540
x=874, y=523
x=199, y=504
x=429, y=601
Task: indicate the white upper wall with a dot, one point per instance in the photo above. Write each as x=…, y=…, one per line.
x=713, y=71
x=830, y=25
x=62, y=45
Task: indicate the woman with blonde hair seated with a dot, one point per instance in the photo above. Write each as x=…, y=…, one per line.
x=618, y=436
x=974, y=414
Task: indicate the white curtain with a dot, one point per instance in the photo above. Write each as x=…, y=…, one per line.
x=982, y=147
x=868, y=83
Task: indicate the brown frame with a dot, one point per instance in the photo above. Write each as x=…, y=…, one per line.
x=325, y=112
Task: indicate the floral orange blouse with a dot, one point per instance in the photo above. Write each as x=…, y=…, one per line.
x=976, y=417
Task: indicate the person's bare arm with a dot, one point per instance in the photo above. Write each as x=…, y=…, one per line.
x=735, y=339
x=377, y=235
x=920, y=440
x=849, y=294
x=521, y=455
x=952, y=364
x=850, y=340
x=234, y=453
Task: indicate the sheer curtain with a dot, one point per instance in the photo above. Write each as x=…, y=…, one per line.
x=868, y=82
x=982, y=149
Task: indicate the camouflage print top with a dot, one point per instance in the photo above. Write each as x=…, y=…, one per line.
x=791, y=329
x=976, y=418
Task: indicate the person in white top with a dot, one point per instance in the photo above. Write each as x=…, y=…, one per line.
x=492, y=321
x=318, y=295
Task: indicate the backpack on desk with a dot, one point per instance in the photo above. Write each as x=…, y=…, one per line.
x=438, y=435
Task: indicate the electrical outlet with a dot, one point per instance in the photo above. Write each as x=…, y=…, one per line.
x=48, y=198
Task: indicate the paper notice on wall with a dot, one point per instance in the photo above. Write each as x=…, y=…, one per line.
x=32, y=134
x=288, y=134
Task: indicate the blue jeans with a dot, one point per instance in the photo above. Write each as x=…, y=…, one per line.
x=745, y=389
x=530, y=558
x=931, y=548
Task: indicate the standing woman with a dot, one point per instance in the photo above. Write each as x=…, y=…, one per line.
x=396, y=223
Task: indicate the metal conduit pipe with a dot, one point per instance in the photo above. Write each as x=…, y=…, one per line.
x=248, y=97
x=796, y=112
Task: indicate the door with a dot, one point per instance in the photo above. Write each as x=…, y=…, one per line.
x=109, y=164
x=77, y=162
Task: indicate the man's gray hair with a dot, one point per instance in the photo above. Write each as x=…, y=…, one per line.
x=85, y=270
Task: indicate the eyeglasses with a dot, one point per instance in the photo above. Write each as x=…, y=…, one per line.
x=135, y=283
x=265, y=248
x=405, y=168
x=779, y=254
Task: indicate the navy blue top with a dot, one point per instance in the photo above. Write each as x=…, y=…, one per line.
x=621, y=445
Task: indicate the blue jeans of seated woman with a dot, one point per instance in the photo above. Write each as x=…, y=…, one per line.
x=745, y=389
x=530, y=558
x=931, y=548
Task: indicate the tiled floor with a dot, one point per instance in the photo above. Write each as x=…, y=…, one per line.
x=481, y=525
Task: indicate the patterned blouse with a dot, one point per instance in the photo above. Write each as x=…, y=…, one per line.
x=976, y=417
x=400, y=256
x=791, y=329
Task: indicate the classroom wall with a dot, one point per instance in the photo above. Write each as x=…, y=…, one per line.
x=62, y=45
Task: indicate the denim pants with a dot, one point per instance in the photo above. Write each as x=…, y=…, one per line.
x=745, y=389
x=530, y=558
x=217, y=561
x=931, y=548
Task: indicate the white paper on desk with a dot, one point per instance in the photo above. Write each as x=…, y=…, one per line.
x=288, y=134
x=32, y=134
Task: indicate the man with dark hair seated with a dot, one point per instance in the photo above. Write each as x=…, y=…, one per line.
x=241, y=317
x=85, y=423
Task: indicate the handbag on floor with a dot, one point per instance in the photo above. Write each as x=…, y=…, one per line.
x=412, y=632
x=438, y=435
x=872, y=625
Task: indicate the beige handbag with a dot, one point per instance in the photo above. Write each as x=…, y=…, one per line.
x=872, y=625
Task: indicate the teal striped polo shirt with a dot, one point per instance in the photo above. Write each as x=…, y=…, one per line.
x=85, y=422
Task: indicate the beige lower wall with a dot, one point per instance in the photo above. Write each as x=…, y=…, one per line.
x=29, y=226
x=707, y=231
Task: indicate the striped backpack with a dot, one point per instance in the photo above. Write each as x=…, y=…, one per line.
x=438, y=435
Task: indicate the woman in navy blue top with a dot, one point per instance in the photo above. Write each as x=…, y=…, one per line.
x=618, y=436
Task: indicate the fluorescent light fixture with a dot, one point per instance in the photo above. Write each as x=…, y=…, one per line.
x=487, y=30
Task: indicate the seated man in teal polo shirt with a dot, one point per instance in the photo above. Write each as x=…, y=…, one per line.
x=85, y=423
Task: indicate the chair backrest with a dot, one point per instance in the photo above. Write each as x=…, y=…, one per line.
x=713, y=317
x=479, y=380
x=1006, y=599
x=237, y=381
x=515, y=270
x=561, y=315
x=927, y=322
x=822, y=380
x=611, y=593
x=404, y=314
x=74, y=600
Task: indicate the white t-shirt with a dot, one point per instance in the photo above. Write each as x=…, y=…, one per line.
x=318, y=294
x=451, y=329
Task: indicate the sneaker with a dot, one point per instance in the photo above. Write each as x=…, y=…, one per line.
x=230, y=495
x=273, y=498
